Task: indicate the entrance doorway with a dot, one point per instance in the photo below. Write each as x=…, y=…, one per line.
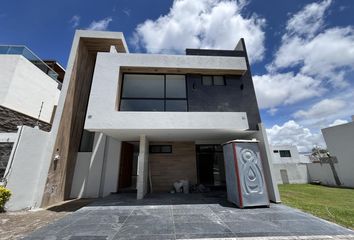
x=128, y=167
x=210, y=166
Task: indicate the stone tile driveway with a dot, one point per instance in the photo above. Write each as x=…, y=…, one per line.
x=190, y=216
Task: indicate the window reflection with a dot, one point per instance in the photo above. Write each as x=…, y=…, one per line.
x=154, y=92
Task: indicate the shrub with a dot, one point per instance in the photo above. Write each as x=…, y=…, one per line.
x=5, y=195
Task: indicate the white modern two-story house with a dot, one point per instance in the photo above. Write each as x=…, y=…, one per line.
x=129, y=121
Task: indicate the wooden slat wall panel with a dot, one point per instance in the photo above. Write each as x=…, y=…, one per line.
x=60, y=175
x=171, y=167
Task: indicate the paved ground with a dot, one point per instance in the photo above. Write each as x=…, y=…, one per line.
x=192, y=216
x=14, y=225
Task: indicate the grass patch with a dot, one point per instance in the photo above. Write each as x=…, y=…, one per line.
x=333, y=204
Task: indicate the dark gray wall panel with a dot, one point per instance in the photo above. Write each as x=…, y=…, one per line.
x=237, y=96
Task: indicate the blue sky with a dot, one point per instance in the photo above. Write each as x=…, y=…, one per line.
x=302, y=52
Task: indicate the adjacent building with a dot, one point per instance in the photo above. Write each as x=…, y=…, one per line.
x=29, y=93
x=139, y=122
x=336, y=169
x=289, y=165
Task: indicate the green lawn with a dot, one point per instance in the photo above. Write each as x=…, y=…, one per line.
x=333, y=204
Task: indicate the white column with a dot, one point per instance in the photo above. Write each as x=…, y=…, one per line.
x=143, y=166
x=267, y=163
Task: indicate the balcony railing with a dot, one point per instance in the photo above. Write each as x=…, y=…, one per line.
x=30, y=56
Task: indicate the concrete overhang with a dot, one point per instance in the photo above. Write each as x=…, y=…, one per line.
x=128, y=126
x=195, y=135
x=101, y=41
x=181, y=64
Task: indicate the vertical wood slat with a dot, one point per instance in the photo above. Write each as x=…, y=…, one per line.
x=60, y=175
x=171, y=167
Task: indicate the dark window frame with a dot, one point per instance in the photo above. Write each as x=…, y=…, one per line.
x=164, y=99
x=86, y=145
x=285, y=153
x=160, y=149
x=275, y=151
x=212, y=80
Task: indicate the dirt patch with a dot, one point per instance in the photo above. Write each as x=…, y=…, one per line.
x=15, y=225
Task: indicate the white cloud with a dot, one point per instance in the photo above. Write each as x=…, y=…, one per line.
x=292, y=133
x=328, y=56
x=216, y=24
x=100, y=25
x=321, y=109
x=324, y=112
x=319, y=58
x=338, y=122
x=325, y=54
x=285, y=88
x=272, y=111
x=75, y=21
x=309, y=20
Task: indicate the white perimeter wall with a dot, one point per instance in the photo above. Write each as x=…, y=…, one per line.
x=23, y=87
x=322, y=172
x=297, y=172
x=340, y=143
x=96, y=172
x=26, y=169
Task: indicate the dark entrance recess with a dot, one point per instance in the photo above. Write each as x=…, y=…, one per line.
x=128, y=167
x=210, y=166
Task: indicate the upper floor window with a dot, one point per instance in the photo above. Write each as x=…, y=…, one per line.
x=213, y=80
x=284, y=153
x=154, y=92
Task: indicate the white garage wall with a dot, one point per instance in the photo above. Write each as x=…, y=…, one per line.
x=109, y=182
x=96, y=172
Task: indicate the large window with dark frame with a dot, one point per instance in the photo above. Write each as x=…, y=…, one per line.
x=154, y=92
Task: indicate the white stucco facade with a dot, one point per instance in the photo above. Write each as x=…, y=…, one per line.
x=289, y=170
x=340, y=143
x=103, y=115
x=96, y=172
x=23, y=88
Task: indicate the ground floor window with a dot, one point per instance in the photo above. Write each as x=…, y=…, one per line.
x=160, y=149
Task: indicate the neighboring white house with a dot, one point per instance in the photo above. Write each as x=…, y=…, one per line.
x=289, y=166
x=29, y=93
x=340, y=144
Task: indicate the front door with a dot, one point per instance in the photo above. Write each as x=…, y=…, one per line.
x=126, y=165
